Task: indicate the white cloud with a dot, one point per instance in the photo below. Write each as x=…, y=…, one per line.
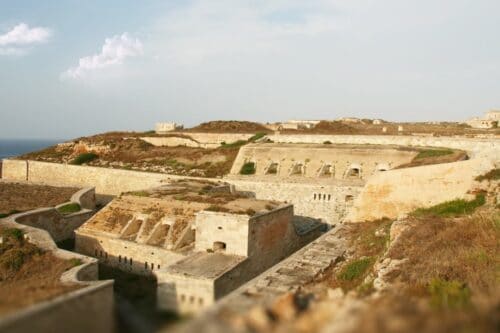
x=18, y=40
x=205, y=30
x=114, y=52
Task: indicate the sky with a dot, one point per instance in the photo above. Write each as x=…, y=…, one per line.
x=70, y=68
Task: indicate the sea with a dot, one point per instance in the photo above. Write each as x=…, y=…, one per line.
x=15, y=147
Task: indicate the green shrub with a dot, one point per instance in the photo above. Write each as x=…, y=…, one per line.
x=448, y=294
x=327, y=142
x=13, y=233
x=69, y=208
x=140, y=193
x=433, y=153
x=355, y=269
x=75, y=262
x=257, y=136
x=452, y=208
x=235, y=144
x=248, y=168
x=84, y=158
x=491, y=175
x=2, y=215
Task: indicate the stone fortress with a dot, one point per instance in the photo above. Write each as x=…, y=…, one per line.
x=198, y=250
x=203, y=238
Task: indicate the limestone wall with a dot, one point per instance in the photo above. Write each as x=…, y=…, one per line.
x=472, y=145
x=329, y=201
x=324, y=161
x=61, y=227
x=230, y=229
x=105, y=180
x=397, y=192
x=88, y=309
x=128, y=256
x=184, y=294
x=201, y=140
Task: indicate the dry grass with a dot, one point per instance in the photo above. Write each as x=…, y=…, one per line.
x=27, y=274
x=465, y=249
x=22, y=197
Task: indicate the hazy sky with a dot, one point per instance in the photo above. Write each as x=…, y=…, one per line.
x=71, y=68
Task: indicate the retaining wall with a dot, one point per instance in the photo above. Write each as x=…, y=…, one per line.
x=395, y=193
x=61, y=227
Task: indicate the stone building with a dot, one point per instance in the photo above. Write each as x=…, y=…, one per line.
x=490, y=120
x=200, y=239
x=164, y=128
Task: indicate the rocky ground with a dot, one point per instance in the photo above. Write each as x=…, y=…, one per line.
x=438, y=270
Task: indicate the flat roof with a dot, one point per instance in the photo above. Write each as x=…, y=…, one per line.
x=205, y=265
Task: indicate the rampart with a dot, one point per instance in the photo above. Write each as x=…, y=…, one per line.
x=201, y=140
x=59, y=226
x=326, y=200
x=472, y=145
x=395, y=193
x=324, y=161
x=87, y=309
x=105, y=181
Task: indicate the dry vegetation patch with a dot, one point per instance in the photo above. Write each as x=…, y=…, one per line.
x=18, y=197
x=27, y=274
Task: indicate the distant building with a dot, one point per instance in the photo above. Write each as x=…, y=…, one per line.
x=490, y=120
x=293, y=125
x=163, y=128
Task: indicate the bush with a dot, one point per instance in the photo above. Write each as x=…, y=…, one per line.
x=448, y=294
x=452, y=208
x=69, y=208
x=14, y=233
x=355, y=269
x=257, y=136
x=235, y=144
x=327, y=142
x=433, y=153
x=491, y=175
x=248, y=168
x=75, y=262
x=84, y=158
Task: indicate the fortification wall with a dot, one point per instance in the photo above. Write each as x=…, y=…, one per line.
x=174, y=141
x=320, y=161
x=105, y=181
x=88, y=309
x=329, y=202
x=472, y=145
x=395, y=193
x=200, y=140
x=61, y=227
x=125, y=255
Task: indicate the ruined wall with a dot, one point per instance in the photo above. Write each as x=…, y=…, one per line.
x=398, y=192
x=125, y=255
x=319, y=161
x=473, y=145
x=320, y=200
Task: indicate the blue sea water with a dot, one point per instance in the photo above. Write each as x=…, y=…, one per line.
x=15, y=147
